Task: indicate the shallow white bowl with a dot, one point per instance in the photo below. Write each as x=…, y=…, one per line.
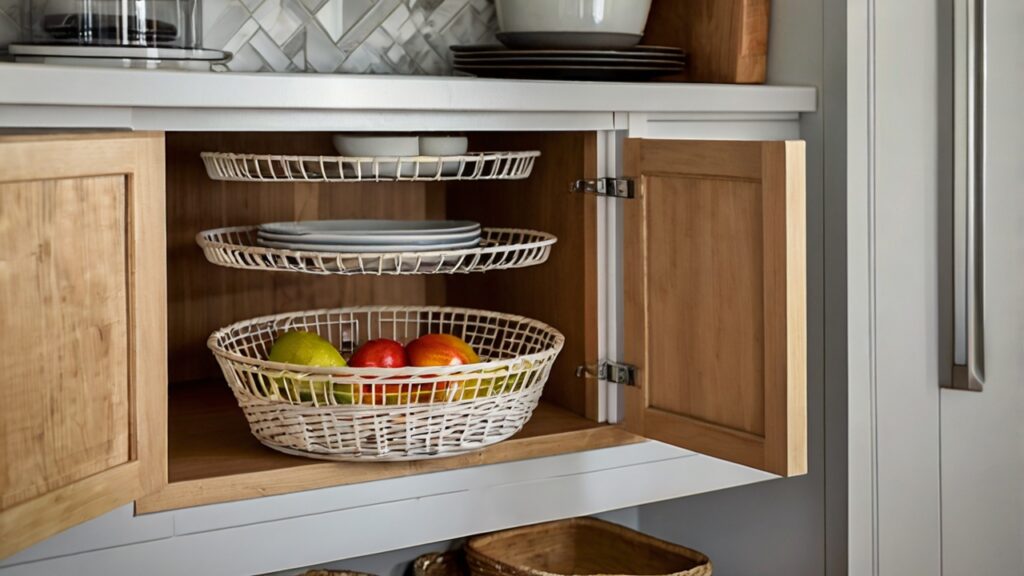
x=605, y=16
x=443, y=145
x=372, y=146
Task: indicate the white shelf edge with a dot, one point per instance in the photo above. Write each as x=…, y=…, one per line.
x=480, y=502
x=31, y=84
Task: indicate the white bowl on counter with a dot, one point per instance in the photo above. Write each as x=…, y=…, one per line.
x=572, y=23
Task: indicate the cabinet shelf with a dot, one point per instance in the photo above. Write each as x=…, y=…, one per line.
x=289, y=168
x=212, y=456
x=500, y=249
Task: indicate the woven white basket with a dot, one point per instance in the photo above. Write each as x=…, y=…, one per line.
x=500, y=249
x=388, y=414
x=284, y=168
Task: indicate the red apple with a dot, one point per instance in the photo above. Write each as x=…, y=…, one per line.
x=380, y=353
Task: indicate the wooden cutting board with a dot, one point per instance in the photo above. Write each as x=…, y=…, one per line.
x=726, y=40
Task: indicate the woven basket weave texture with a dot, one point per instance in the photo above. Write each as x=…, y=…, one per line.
x=580, y=546
x=500, y=249
x=388, y=414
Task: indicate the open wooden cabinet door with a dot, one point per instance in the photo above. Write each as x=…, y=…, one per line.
x=83, y=368
x=715, y=299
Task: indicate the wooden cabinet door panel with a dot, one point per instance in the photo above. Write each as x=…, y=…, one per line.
x=63, y=334
x=82, y=386
x=714, y=264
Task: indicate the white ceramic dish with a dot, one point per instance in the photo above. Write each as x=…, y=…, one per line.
x=592, y=20
x=443, y=145
x=366, y=248
x=372, y=227
x=382, y=240
x=360, y=145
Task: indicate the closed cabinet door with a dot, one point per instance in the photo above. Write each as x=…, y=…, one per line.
x=715, y=299
x=980, y=440
x=82, y=329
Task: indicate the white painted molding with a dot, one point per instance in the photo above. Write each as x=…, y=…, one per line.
x=862, y=495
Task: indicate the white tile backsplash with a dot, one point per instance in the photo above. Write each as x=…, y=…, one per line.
x=355, y=36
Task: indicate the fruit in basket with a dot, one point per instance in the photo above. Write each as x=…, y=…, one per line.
x=383, y=353
x=305, y=348
x=496, y=381
x=440, y=350
x=308, y=349
x=380, y=353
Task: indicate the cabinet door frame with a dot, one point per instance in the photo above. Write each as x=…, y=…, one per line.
x=777, y=168
x=139, y=157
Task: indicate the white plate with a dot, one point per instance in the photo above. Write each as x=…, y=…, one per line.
x=375, y=239
x=366, y=248
x=371, y=227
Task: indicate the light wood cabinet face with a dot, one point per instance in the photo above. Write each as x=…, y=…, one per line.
x=82, y=385
x=63, y=333
x=714, y=262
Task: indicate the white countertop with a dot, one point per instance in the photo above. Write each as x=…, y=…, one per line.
x=47, y=96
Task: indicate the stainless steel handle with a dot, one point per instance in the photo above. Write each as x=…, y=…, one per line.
x=969, y=213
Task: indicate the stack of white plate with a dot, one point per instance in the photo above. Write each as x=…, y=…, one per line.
x=370, y=236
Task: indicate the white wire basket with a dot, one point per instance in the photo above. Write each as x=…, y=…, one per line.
x=388, y=414
x=279, y=168
x=500, y=249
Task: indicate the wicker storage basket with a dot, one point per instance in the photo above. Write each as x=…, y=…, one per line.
x=441, y=564
x=334, y=573
x=579, y=546
x=388, y=414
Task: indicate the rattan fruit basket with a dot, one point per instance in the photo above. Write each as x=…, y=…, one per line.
x=388, y=413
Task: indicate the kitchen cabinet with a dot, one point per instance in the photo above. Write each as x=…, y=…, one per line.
x=713, y=318
x=83, y=394
x=715, y=299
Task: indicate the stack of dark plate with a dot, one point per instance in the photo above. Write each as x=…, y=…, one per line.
x=635, y=64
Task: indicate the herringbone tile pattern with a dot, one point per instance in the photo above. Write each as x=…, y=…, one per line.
x=10, y=21
x=355, y=36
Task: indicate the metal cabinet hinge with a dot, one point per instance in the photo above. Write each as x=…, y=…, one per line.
x=611, y=187
x=614, y=372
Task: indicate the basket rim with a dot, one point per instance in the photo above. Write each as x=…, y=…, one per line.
x=302, y=371
x=202, y=238
x=473, y=543
x=470, y=156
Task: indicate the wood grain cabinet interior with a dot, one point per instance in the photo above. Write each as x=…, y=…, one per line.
x=96, y=385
